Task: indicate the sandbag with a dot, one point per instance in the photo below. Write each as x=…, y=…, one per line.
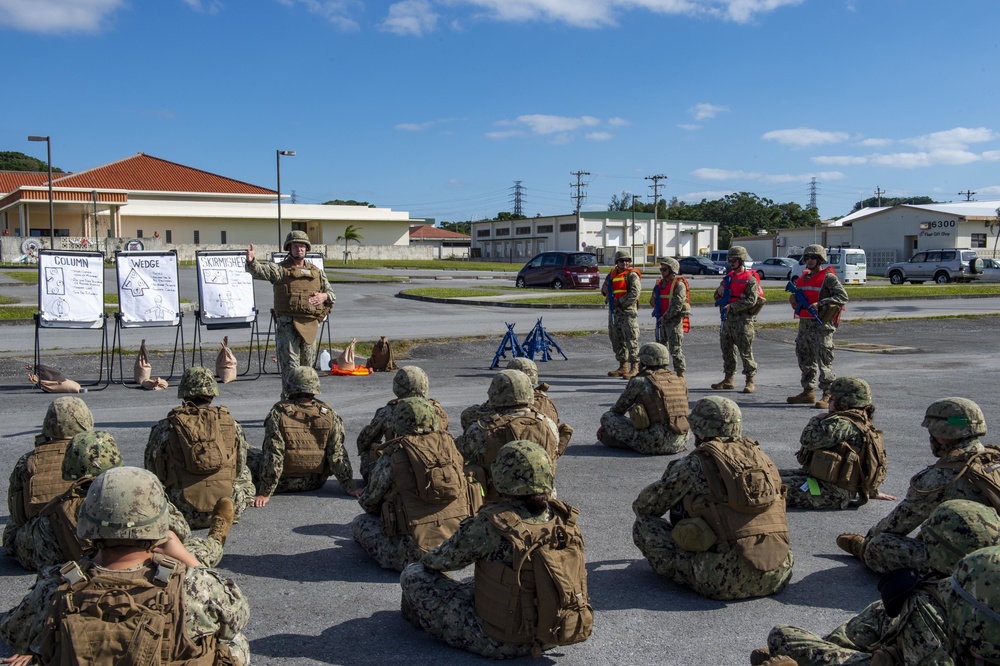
x=225, y=363
x=381, y=359
x=51, y=380
x=155, y=384
x=143, y=369
x=345, y=361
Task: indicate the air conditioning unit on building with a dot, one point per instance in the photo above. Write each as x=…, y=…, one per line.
x=779, y=241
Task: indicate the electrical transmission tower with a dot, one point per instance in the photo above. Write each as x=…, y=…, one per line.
x=812, y=194
x=518, y=191
x=579, y=185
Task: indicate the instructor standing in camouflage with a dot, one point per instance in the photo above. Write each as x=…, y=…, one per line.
x=671, y=303
x=621, y=289
x=302, y=299
x=814, y=344
x=739, y=299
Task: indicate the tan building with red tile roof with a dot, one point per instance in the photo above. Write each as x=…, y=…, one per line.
x=447, y=243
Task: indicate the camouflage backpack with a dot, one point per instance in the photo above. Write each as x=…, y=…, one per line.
x=859, y=471
x=504, y=428
x=982, y=470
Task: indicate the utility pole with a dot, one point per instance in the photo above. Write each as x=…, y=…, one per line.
x=517, y=197
x=878, y=194
x=968, y=195
x=656, y=222
x=812, y=194
x=578, y=197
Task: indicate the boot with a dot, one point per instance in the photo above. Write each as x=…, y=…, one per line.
x=222, y=520
x=620, y=372
x=726, y=383
x=759, y=656
x=807, y=397
x=409, y=614
x=824, y=402
x=749, y=388
x=633, y=370
x=852, y=543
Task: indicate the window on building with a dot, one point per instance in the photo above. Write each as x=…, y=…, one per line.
x=523, y=231
x=503, y=232
x=483, y=233
x=197, y=237
x=298, y=226
x=545, y=228
x=222, y=238
x=978, y=240
x=138, y=233
x=170, y=236
x=568, y=227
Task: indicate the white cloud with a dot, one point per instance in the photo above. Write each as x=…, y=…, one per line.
x=205, y=6
x=696, y=197
x=839, y=160
x=545, y=124
x=336, y=12
x=617, y=122
x=58, y=16
x=689, y=127
x=991, y=156
x=505, y=134
x=729, y=174
x=992, y=190
x=410, y=17
x=724, y=174
x=599, y=136
x=875, y=143
x=805, y=136
x=705, y=111
x=957, y=138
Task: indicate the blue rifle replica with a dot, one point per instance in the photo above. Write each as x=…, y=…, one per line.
x=539, y=341
x=657, y=306
x=721, y=303
x=611, y=298
x=802, y=301
x=509, y=343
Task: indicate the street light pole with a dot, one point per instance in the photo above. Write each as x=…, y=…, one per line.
x=278, y=154
x=631, y=247
x=52, y=218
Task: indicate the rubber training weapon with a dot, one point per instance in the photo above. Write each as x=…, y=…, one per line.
x=803, y=302
x=611, y=297
x=727, y=293
x=539, y=340
x=510, y=343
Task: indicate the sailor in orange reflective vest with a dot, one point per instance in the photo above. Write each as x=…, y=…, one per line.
x=742, y=295
x=622, y=288
x=671, y=303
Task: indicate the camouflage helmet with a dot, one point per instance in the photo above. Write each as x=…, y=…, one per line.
x=956, y=528
x=716, y=416
x=197, y=382
x=671, y=263
x=410, y=382
x=818, y=250
x=303, y=379
x=124, y=503
x=65, y=417
x=653, y=354
x=525, y=365
x=738, y=252
x=954, y=418
x=624, y=253
x=510, y=388
x=90, y=453
x=297, y=237
x=851, y=393
x=973, y=603
x=522, y=468
x=414, y=416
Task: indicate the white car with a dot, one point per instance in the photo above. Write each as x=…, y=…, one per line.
x=775, y=268
x=991, y=270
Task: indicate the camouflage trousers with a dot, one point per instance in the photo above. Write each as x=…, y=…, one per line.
x=718, y=573
x=292, y=351
x=737, y=338
x=814, y=352
x=885, y=552
x=285, y=485
x=805, y=647
x=830, y=496
x=623, y=329
x=243, y=494
x=445, y=609
x=391, y=552
x=671, y=335
x=658, y=439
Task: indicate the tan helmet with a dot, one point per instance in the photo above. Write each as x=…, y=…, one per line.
x=414, y=416
x=65, y=417
x=672, y=264
x=124, y=503
x=654, y=355
x=954, y=418
x=525, y=365
x=303, y=379
x=197, y=382
x=818, y=250
x=738, y=252
x=89, y=454
x=510, y=388
x=716, y=416
x=522, y=468
x=851, y=393
x=297, y=237
x=624, y=253
x=410, y=382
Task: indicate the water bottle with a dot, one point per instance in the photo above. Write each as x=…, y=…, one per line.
x=324, y=360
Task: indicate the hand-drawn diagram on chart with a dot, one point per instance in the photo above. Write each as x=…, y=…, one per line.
x=225, y=289
x=147, y=288
x=71, y=289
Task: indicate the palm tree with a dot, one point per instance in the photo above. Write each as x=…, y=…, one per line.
x=351, y=233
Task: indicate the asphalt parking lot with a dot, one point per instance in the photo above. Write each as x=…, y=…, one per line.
x=317, y=599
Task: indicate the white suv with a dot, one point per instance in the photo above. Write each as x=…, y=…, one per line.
x=942, y=266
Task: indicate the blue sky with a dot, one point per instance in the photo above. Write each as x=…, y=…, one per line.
x=437, y=107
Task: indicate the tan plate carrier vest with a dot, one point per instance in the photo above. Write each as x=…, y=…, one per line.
x=856, y=470
x=293, y=290
x=542, y=599
x=745, y=504
x=305, y=429
x=504, y=428
x=668, y=403
x=139, y=615
x=201, y=455
x=43, y=480
x=430, y=493
x=62, y=513
x=982, y=470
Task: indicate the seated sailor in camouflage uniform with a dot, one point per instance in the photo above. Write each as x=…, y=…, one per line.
x=37, y=475
x=963, y=471
x=514, y=417
x=418, y=491
x=514, y=606
x=409, y=382
x=908, y=624
x=972, y=609
x=199, y=452
x=51, y=538
x=726, y=536
x=126, y=590
x=303, y=444
x=650, y=416
x=842, y=453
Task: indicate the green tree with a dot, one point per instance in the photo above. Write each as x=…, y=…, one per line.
x=626, y=201
x=505, y=215
x=872, y=202
x=13, y=161
x=743, y=214
x=351, y=233
x=349, y=202
x=458, y=227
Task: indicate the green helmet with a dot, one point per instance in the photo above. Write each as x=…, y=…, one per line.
x=973, y=604
x=297, y=237
x=510, y=388
x=956, y=528
x=818, y=250
x=955, y=418
x=197, y=382
x=851, y=393
x=522, y=468
x=716, y=416
x=623, y=254
x=653, y=355
x=738, y=252
x=414, y=416
x=410, y=382
x=672, y=263
x=65, y=417
x=124, y=503
x=89, y=454
x=303, y=379
x=525, y=365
